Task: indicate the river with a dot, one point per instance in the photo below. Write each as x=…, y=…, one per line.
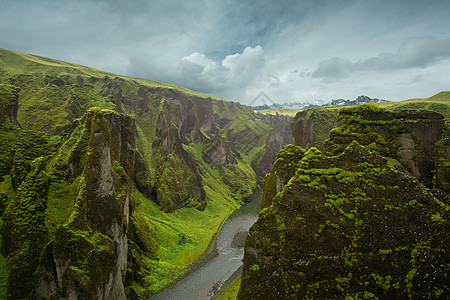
x=202, y=283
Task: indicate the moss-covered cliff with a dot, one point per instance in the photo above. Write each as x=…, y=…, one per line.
x=347, y=226
x=88, y=256
x=368, y=219
x=54, y=94
x=141, y=182
x=65, y=229
x=408, y=136
x=311, y=127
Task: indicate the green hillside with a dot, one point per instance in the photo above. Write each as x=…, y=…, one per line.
x=18, y=63
x=438, y=103
x=291, y=112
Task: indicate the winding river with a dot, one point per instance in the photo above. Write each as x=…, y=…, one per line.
x=202, y=283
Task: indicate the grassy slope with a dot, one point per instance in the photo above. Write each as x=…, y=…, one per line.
x=291, y=112
x=439, y=103
x=14, y=62
x=185, y=234
x=230, y=291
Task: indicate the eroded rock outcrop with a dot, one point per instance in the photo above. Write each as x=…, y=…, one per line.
x=219, y=153
x=178, y=183
x=278, y=136
x=87, y=259
x=407, y=136
x=311, y=127
x=346, y=226
x=9, y=105
x=441, y=178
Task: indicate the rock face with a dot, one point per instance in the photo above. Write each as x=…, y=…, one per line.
x=442, y=158
x=9, y=105
x=178, y=183
x=278, y=137
x=407, y=136
x=346, y=226
x=23, y=232
x=311, y=127
x=219, y=153
x=88, y=256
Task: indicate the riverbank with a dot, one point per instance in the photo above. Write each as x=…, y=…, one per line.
x=211, y=251
x=211, y=276
x=230, y=288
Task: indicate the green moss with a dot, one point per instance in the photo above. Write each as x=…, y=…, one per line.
x=312, y=155
x=281, y=226
x=269, y=189
x=24, y=233
x=92, y=255
x=61, y=201
x=437, y=218
x=254, y=268
x=4, y=272
x=230, y=291
x=178, y=185
x=311, y=127
x=143, y=234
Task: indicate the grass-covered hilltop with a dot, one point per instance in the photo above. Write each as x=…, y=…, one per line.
x=113, y=186
x=364, y=214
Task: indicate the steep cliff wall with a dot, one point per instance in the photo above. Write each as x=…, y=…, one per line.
x=9, y=105
x=311, y=127
x=167, y=120
x=359, y=221
x=70, y=216
x=88, y=256
x=346, y=226
x=407, y=136
x=278, y=137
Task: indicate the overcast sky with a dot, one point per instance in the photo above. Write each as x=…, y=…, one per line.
x=235, y=49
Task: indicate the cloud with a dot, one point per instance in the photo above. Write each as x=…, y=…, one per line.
x=414, y=80
x=415, y=52
x=333, y=68
x=292, y=50
x=235, y=71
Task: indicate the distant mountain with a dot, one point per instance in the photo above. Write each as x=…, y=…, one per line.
x=317, y=103
x=290, y=105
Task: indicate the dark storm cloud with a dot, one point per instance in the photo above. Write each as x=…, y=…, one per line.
x=236, y=49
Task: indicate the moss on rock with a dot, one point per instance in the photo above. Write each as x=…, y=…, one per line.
x=407, y=136
x=311, y=127
x=348, y=226
x=9, y=105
